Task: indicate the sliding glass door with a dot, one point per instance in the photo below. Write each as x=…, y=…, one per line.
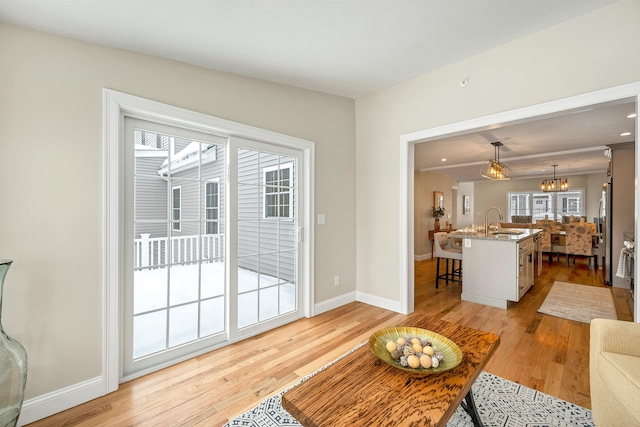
x=211, y=225
x=266, y=233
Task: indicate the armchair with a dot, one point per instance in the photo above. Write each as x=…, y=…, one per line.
x=614, y=369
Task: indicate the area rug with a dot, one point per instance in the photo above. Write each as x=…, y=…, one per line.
x=500, y=403
x=581, y=303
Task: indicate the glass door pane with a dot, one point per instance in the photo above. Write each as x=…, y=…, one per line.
x=176, y=297
x=213, y=231
x=267, y=241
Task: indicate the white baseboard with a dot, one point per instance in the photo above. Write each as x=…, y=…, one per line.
x=330, y=304
x=60, y=400
x=379, y=301
x=422, y=257
x=364, y=297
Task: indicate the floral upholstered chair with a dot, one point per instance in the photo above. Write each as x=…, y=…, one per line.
x=592, y=226
x=547, y=227
x=579, y=241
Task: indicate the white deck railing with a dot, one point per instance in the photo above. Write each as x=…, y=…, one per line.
x=153, y=252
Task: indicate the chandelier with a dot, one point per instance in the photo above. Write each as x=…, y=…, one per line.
x=554, y=185
x=493, y=169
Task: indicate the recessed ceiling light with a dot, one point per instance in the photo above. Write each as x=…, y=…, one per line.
x=443, y=160
x=625, y=134
x=631, y=116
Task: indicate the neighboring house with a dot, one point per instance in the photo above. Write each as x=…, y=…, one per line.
x=195, y=204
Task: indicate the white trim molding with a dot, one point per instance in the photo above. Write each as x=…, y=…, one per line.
x=423, y=257
x=377, y=301
x=51, y=403
x=339, y=301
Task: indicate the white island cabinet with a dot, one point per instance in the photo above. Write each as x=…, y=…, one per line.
x=498, y=268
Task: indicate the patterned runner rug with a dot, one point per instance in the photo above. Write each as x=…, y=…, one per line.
x=501, y=403
x=579, y=302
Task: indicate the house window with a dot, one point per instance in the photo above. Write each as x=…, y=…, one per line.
x=278, y=191
x=176, y=196
x=212, y=207
x=571, y=205
x=151, y=140
x=540, y=205
x=519, y=204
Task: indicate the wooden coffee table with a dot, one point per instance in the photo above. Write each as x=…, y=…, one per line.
x=362, y=390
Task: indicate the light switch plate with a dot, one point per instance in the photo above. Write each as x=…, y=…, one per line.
x=321, y=219
x=467, y=243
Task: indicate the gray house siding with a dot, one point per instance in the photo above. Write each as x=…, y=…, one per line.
x=152, y=201
x=265, y=245
x=273, y=238
x=150, y=197
x=150, y=189
x=193, y=196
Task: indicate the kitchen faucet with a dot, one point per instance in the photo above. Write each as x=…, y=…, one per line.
x=486, y=216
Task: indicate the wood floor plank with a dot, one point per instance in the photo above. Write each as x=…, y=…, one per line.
x=539, y=351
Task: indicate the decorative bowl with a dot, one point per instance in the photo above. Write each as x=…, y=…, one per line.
x=451, y=352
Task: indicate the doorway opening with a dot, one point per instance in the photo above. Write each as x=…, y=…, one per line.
x=408, y=144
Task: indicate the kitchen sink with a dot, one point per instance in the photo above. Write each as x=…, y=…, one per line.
x=505, y=232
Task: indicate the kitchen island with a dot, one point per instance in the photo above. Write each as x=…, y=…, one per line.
x=498, y=268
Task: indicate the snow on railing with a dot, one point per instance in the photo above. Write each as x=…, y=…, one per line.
x=153, y=252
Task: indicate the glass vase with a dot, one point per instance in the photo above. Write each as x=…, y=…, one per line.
x=13, y=367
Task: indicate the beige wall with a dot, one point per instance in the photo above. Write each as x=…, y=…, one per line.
x=580, y=56
x=465, y=189
x=51, y=173
x=425, y=183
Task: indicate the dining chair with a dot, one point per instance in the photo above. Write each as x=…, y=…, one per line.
x=521, y=218
x=444, y=249
x=579, y=241
x=545, y=237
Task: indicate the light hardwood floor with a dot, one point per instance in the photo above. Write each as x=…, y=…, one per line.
x=542, y=352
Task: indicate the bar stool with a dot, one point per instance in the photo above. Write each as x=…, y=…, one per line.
x=444, y=250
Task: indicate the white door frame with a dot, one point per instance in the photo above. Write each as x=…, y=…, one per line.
x=115, y=106
x=407, y=148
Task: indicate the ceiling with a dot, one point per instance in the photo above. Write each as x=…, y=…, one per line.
x=573, y=140
x=343, y=47
x=350, y=48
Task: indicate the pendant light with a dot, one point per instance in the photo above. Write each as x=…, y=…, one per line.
x=554, y=185
x=494, y=169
